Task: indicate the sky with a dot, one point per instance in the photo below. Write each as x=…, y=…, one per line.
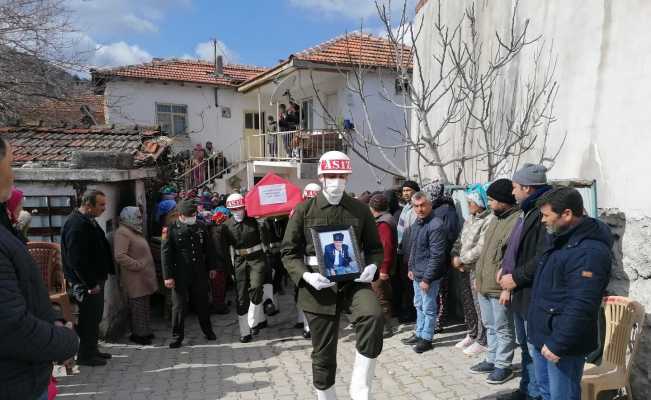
x=254, y=32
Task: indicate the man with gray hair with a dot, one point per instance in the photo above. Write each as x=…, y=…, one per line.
x=427, y=265
x=87, y=261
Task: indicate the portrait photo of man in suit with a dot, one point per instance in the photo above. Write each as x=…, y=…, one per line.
x=337, y=257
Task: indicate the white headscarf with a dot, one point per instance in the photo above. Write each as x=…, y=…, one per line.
x=131, y=217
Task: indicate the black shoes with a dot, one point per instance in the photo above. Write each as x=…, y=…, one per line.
x=210, y=336
x=141, y=340
x=483, y=367
x=307, y=334
x=411, y=340
x=269, y=308
x=256, y=329
x=246, y=339
x=176, y=344
x=388, y=331
x=423, y=346
x=515, y=395
x=91, y=362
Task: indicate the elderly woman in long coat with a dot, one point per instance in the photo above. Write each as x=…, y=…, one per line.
x=137, y=272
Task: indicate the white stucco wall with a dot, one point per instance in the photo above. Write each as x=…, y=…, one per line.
x=604, y=55
x=134, y=102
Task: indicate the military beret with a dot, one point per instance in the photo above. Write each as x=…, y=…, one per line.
x=187, y=207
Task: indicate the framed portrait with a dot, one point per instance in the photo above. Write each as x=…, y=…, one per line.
x=337, y=252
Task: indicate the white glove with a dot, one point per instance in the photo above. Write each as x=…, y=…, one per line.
x=317, y=281
x=368, y=274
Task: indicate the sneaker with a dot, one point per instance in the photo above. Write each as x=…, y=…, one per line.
x=388, y=332
x=483, y=367
x=467, y=341
x=423, y=346
x=474, y=349
x=411, y=340
x=246, y=338
x=307, y=334
x=176, y=344
x=499, y=376
x=269, y=308
x=91, y=362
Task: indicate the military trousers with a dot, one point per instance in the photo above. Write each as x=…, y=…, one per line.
x=197, y=293
x=249, y=278
x=367, y=320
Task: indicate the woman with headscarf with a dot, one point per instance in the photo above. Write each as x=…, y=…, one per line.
x=137, y=272
x=465, y=253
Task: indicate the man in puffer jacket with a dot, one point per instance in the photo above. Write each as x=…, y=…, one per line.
x=465, y=253
x=570, y=281
x=428, y=263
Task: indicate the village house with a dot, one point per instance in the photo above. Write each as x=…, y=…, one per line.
x=195, y=102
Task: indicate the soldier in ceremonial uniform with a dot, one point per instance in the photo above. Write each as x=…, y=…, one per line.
x=243, y=234
x=188, y=258
x=323, y=301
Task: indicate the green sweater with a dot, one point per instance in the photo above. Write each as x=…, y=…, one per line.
x=495, y=240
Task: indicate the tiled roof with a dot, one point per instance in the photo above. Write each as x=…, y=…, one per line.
x=55, y=146
x=53, y=112
x=183, y=71
x=356, y=49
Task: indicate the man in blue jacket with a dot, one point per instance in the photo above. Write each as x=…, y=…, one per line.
x=427, y=265
x=570, y=281
x=336, y=256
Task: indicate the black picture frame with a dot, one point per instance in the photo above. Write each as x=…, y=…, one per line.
x=323, y=238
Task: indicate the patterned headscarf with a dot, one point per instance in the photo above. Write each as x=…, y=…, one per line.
x=477, y=194
x=434, y=190
x=131, y=217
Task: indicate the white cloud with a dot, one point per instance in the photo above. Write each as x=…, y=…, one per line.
x=205, y=51
x=119, y=53
x=140, y=24
x=354, y=8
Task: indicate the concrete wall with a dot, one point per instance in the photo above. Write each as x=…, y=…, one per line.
x=604, y=55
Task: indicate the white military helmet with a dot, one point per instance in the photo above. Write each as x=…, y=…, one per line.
x=311, y=190
x=234, y=201
x=334, y=162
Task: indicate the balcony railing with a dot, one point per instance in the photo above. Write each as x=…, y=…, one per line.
x=302, y=145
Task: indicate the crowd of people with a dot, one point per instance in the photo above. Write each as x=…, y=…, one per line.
x=533, y=269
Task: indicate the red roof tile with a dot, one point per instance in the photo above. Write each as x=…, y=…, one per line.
x=54, y=112
x=194, y=71
x=50, y=145
x=357, y=49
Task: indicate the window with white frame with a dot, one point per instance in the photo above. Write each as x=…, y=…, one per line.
x=172, y=118
x=48, y=215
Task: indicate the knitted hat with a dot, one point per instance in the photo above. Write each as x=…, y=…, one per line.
x=379, y=202
x=531, y=175
x=412, y=185
x=502, y=191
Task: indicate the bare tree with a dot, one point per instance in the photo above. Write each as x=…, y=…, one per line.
x=473, y=119
x=37, y=49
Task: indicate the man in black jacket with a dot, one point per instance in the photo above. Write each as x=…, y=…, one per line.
x=32, y=335
x=87, y=261
x=527, y=242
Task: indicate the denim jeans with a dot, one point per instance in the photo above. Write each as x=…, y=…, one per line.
x=426, y=309
x=498, y=321
x=528, y=383
x=561, y=380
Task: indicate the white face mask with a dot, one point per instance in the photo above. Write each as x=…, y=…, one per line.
x=188, y=220
x=238, y=215
x=333, y=189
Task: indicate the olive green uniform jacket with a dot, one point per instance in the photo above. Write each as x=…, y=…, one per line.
x=297, y=244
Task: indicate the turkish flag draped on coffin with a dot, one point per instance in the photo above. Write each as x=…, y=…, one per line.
x=273, y=195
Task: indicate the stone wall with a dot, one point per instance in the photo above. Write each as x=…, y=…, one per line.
x=631, y=277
